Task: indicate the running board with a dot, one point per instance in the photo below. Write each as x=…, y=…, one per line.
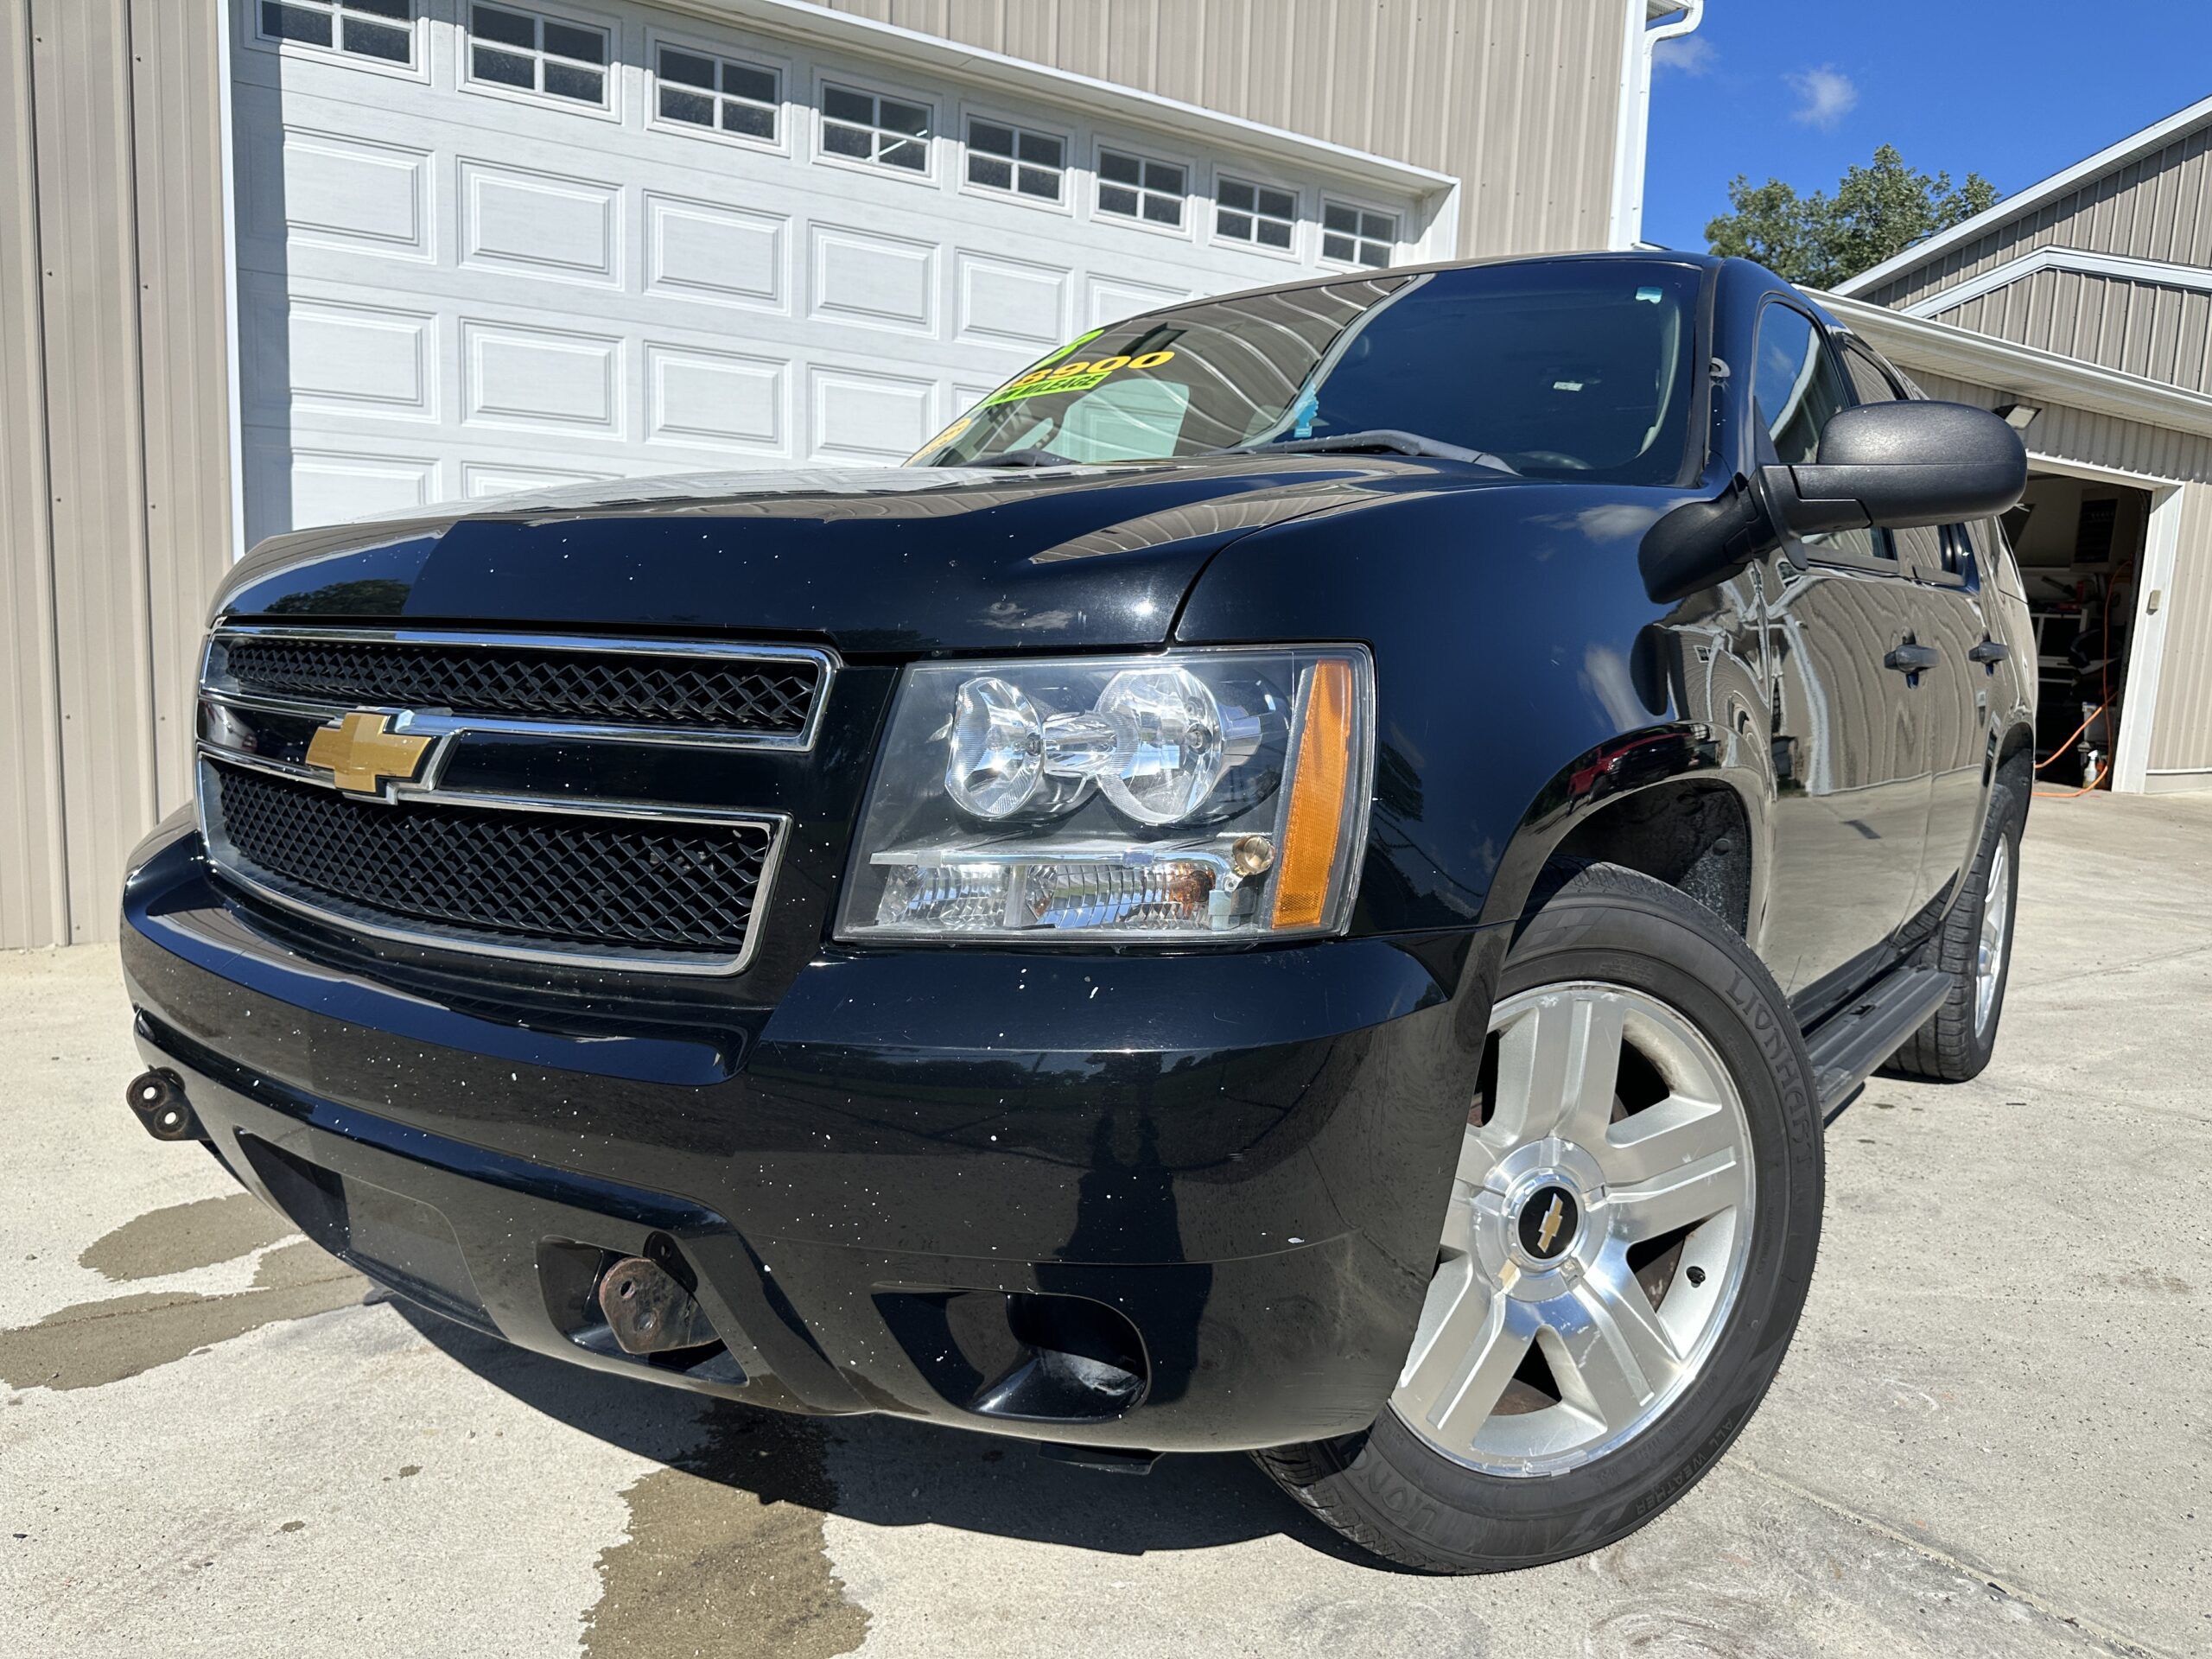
x=1848, y=1046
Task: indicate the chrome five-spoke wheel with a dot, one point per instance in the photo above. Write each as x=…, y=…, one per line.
x=1599, y=1223
x=1996, y=921
x=1633, y=1214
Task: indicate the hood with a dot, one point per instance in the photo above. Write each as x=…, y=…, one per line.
x=891, y=561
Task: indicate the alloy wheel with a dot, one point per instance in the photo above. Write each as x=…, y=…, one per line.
x=1996, y=923
x=1599, y=1226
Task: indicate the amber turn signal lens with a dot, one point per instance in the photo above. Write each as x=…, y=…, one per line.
x=1316, y=824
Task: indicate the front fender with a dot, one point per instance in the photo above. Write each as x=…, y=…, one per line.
x=1524, y=679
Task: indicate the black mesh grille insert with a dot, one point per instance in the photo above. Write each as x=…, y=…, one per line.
x=558, y=879
x=756, y=696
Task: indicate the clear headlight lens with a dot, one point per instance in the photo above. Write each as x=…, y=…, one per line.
x=1187, y=793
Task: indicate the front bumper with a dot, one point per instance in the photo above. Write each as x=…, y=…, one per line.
x=1244, y=1157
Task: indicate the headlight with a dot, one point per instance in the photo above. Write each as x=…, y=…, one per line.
x=1200, y=793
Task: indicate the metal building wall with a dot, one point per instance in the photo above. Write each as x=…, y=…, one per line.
x=116, y=526
x=33, y=906
x=2161, y=334
x=2158, y=206
x=1518, y=98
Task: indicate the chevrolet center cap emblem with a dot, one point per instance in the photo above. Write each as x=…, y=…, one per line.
x=363, y=753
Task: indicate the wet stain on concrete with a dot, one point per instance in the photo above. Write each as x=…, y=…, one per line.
x=91, y=1344
x=182, y=1237
x=724, y=1552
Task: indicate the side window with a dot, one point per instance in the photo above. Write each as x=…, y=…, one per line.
x=1962, y=545
x=1926, y=548
x=1796, y=385
x=1930, y=549
x=1867, y=378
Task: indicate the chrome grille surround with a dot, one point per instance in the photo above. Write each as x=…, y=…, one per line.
x=686, y=831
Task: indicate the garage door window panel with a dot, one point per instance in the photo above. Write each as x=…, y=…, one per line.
x=380, y=31
x=703, y=93
x=1262, y=216
x=865, y=128
x=1352, y=235
x=522, y=51
x=1004, y=158
x=1141, y=187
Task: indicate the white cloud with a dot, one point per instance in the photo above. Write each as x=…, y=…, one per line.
x=1688, y=55
x=1826, y=95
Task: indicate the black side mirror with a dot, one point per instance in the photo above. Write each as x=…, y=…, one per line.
x=1892, y=465
x=1900, y=465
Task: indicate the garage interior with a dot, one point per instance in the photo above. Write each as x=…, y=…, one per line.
x=2079, y=544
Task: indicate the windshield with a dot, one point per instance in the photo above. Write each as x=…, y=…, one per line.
x=1561, y=369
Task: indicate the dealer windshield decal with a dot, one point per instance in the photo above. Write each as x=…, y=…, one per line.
x=1072, y=376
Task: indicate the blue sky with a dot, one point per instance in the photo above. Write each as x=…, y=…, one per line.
x=2014, y=90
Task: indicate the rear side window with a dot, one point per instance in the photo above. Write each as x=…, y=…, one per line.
x=1796, y=385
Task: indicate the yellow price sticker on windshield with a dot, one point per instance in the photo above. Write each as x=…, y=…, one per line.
x=949, y=435
x=1071, y=376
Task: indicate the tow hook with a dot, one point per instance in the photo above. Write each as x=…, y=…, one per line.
x=649, y=1310
x=157, y=1098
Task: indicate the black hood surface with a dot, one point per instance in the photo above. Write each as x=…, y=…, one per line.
x=891, y=560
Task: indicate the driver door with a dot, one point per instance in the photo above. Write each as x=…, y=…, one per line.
x=1851, y=774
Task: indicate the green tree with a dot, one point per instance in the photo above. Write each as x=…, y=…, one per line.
x=1820, y=240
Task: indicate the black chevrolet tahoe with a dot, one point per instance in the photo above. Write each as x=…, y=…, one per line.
x=1301, y=880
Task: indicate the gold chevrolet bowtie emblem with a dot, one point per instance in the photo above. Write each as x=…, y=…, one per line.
x=364, y=754
x=1549, y=1230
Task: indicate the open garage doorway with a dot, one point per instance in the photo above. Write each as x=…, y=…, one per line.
x=2088, y=544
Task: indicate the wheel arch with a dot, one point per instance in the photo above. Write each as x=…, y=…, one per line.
x=1661, y=802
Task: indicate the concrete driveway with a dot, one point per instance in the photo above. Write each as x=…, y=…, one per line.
x=1993, y=1435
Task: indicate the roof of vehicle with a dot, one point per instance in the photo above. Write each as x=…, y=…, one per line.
x=1635, y=256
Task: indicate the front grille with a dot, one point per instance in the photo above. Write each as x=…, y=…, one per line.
x=764, y=696
x=583, y=883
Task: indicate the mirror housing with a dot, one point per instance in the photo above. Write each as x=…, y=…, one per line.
x=1898, y=466
x=1699, y=544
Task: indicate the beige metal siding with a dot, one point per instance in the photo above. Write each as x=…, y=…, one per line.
x=178, y=165
x=2158, y=206
x=33, y=877
x=81, y=62
x=2161, y=334
x=111, y=561
x=2181, y=742
x=1516, y=98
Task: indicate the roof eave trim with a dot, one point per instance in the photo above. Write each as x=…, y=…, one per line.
x=2119, y=267
x=2003, y=365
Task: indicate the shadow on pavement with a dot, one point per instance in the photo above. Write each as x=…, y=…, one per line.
x=890, y=1471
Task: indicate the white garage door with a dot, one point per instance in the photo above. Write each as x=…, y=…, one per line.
x=486, y=247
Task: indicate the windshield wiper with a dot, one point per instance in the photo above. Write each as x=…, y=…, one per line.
x=1386, y=438
x=1018, y=458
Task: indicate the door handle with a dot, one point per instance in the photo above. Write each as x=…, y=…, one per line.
x=1909, y=658
x=1991, y=652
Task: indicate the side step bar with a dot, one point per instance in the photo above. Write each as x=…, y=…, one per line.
x=1850, y=1044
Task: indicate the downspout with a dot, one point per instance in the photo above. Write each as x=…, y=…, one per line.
x=1632, y=121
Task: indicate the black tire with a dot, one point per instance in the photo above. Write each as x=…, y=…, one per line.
x=1393, y=1494
x=1952, y=1046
